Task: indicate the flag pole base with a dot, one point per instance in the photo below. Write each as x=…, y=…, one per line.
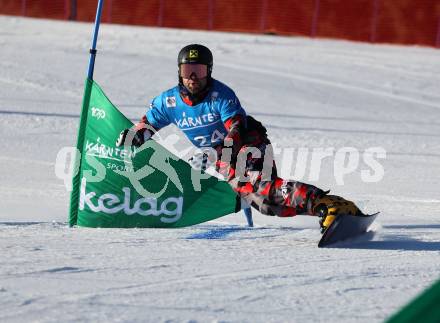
x=247, y=212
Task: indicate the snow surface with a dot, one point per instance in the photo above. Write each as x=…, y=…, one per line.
x=309, y=93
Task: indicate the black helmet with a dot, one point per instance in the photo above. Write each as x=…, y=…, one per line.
x=196, y=54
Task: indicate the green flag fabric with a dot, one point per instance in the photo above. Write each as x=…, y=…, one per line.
x=425, y=308
x=125, y=187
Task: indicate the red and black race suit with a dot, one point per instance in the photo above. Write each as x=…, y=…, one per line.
x=257, y=181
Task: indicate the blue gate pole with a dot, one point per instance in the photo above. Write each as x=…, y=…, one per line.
x=247, y=212
x=95, y=40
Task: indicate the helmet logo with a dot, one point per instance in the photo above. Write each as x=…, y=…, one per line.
x=193, y=53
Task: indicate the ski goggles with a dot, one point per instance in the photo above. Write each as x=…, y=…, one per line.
x=187, y=70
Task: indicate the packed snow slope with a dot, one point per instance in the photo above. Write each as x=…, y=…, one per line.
x=311, y=94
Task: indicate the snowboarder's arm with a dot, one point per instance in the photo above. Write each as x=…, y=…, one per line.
x=236, y=128
x=138, y=134
x=155, y=119
x=234, y=119
x=157, y=115
x=234, y=139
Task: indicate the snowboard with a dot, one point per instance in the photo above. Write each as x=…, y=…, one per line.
x=345, y=227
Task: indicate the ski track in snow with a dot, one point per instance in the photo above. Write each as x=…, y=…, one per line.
x=310, y=93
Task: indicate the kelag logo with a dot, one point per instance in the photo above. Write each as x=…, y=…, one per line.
x=170, y=209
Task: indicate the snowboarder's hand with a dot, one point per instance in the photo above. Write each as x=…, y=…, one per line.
x=203, y=159
x=135, y=137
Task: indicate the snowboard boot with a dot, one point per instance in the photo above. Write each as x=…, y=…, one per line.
x=328, y=207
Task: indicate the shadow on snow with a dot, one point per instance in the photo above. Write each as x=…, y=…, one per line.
x=222, y=232
x=389, y=242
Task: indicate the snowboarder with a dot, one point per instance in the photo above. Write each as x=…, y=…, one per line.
x=210, y=115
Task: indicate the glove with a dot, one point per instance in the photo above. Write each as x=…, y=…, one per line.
x=139, y=137
x=328, y=207
x=203, y=159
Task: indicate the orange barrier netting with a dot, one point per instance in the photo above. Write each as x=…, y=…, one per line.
x=377, y=21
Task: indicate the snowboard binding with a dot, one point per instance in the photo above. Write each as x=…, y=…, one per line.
x=329, y=207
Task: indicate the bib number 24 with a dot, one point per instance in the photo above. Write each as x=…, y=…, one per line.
x=205, y=141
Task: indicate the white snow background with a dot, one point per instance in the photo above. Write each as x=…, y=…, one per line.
x=309, y=93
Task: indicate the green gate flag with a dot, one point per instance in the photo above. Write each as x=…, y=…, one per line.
x=125, y=187
x=425, y=308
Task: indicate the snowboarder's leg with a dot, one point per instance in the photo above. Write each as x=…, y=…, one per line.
x=278, y=197
x=285, y=198
x=265, y=191
x=328, y=207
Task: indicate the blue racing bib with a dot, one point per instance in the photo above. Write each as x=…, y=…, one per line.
x=203, y=123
